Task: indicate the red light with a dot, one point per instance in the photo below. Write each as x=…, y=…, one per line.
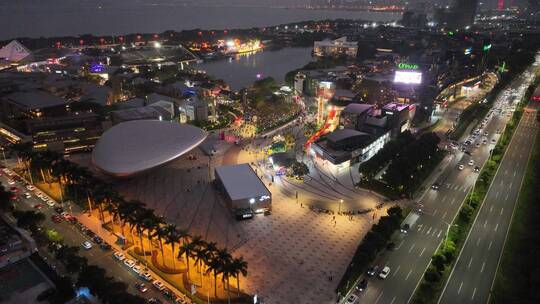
x=81, y=42
x=121, y=38
x=139, y=37
x=199, y=33
x=156, y=35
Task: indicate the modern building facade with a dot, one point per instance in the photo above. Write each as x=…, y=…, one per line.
x=335, y=48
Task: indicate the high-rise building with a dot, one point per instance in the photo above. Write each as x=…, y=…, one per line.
x=463, y=13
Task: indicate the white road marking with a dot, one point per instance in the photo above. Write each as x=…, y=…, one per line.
x=502, y=209
x=408, y=274
x=433, y=233
x=439, y=234
x=443, y=199
x=506, y=198
x=435, y=212
x=444, y=215
x=460, y=285
x=378, y=298
x=491, y=208
x=469, y=265
x=496, y=226
x=393, y=299
x=453, y=201
x=422, y=251
x=485, y=223
x=429, y=230
x=515, y=173
x=482, y=269
x=473, y=293
x=497, y=195
x=510, y=184
x=478, y=242
x=397, y=270
x=489, y=247
x=412, y=246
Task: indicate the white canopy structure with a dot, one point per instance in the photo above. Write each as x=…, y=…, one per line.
x=135, y=146
x=15, y=52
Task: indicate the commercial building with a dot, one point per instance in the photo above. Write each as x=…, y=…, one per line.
x=132, y=147
x=245, y=192
x=335, y=48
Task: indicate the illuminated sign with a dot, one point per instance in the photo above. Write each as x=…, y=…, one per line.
x=408, y=66
x=97, y=68
x=408, y=77
x=468, y=51
x=487, y=47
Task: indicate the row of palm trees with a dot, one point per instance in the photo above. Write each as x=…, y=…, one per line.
x=132, y=217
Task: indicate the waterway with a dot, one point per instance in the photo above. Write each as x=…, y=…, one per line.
x=40, y=18
x=242, y=70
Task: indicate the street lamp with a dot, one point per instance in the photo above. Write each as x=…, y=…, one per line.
x=447, y=231
x=3, y=155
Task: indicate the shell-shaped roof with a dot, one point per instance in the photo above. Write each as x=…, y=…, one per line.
x=135, y=146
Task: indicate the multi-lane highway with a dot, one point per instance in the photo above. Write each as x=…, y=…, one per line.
x=475, y=269
x=413, y=251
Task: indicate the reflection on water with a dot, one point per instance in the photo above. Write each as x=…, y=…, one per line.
x=243, y=69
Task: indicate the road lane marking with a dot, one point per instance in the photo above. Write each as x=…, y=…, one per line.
x=444, y=215
x=497, y=195
x=393, y=299
x=443, y=199
x=460, y=285
x=515, y=173
x=478, y=242
x=491, y=208
x=482, y=269
x=397, y=270
x=453, y=201
x=489, y=247
x=510, y=184
x=485, y=223
x=502, y=209
x=412, y=246
x=422, y=251
x=433, y=233
x=408, y=274
x=429, y=230
x=439, y=234
x=435, y=212
x=473, y=293
x=496, y=226
x=506, y=198
x=378, y=298
x=470, y=262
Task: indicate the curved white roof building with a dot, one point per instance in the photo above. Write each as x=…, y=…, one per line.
x=131, y=147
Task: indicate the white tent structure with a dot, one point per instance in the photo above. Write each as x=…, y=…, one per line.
x=15, y=52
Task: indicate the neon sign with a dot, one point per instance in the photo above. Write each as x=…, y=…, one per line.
x=408, y=66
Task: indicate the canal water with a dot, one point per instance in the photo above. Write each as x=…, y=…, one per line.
x=242, y=70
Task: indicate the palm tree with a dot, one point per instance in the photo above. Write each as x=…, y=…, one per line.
x=188, y=248
x=238, y=266
x=150, y=223
x=138, y=222
x=128, y=214
x=214, y=266
x=173, y=237
x=201, y=256
x=161, y=233
x=226, y=272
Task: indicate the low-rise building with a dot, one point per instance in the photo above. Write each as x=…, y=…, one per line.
x=335, y=48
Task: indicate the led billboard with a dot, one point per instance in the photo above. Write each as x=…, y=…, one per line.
x=408, y=77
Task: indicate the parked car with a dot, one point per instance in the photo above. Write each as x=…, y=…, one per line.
x=405, y=228
x=384, y=272
x=105, y=247
x=97, y=240
x=146, y=276
x=27, y=195
x=87, y=245
x=141, y=287
x=476, y=169
x=157, y=284
x=50, y=203
x=352, y=299
x=362, y=285
x=119, y=255
x=435, y=186
x=372, y=270
x=471, y=162
x=30, y=187
x=461, y=167
x=129, y=263
x=137, y=269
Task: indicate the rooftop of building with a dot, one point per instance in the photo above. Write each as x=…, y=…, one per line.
x=241, y=182
x=358, y=108
x=35, y=99
x=342, y=134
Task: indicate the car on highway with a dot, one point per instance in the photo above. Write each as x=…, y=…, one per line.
x=154, y=301
x=384, y=272
x=405, y=228
x=129, y=263
x=372, y=270
x=119, y=255
x=362, y=285
x=87, y=245
x=493, y=141
x=167, y=293
x=461, y=167
x=141, y=287
x=158, y=285
x=137, y=269
x=27, y=195
x=484, y=142
x=435, y=186
x=50, y=203
x=30, y=187
x=145, y=276
x=476, y=169
x=11, y=182
x=471, y=162
x=477, y=145
x=352, y=299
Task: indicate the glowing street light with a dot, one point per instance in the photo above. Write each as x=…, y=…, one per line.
x=157, y=45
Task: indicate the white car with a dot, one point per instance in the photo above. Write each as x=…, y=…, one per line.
x=50, y=203
x=384, y=272
x=87, y=245
x=493, y=141
x=11, y=182
x=461, y=167
x=119, y=256
x=30, y=187
x=146, y=276
x=43, y=198
x=157, y=284
x=129, y=263
x=352, y=299
x=471, y=162
x=137, y=269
